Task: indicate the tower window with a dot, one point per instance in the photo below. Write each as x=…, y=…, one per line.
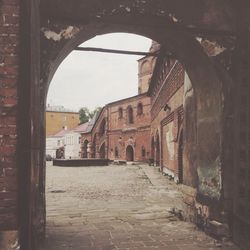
x=130, y=115
x=120, y=113
x=139, y=109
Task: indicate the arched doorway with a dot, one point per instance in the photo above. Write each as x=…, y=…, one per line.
x=129, y=153
x=157, y=149
x=103, y=151
x=180, y=158
x=152, y=150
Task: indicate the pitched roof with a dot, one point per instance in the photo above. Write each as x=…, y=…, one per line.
x=81, y=128
x=61, y=133
x=91, y=123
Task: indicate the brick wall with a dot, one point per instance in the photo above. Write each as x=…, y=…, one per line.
x=123, y=134
x=9, y=73
x=116, y=122
x=167, y=90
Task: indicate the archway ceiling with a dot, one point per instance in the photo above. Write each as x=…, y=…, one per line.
x=210, y=15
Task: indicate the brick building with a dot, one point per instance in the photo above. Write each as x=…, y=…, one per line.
x=167, y=98
x=121, y=131
x=148, y=125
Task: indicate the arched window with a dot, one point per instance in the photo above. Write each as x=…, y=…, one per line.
x=130, y=115
x=139, y=109
x=120, y=113
x=102, y=127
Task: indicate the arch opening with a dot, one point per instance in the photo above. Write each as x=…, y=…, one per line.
x=157, y=149
x=205, y=84
x=129, y=153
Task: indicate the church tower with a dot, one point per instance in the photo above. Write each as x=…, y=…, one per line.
x=146, y=68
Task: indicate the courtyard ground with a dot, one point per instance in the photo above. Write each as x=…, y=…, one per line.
x=117, y=207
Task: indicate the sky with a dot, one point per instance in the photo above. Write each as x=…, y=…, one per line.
x=91, y=79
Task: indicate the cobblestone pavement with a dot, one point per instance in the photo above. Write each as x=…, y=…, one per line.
x=117, y=207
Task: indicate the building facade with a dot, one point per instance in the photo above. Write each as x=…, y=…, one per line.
x=59, y=118
x=121, y=131
x=167, y=113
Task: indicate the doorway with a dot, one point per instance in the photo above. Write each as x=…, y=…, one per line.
x=180, y=158
x=130, y=153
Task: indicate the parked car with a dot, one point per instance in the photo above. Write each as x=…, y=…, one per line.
x=49, y=158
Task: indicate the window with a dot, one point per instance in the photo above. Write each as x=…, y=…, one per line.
x=102, y=129
x=139, y=109
x=120, y=113
x=130, y=115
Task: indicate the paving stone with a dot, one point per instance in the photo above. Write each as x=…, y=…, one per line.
x=117, y=208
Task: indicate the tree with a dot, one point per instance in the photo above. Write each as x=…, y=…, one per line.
x=85, y=114
x=92, y=113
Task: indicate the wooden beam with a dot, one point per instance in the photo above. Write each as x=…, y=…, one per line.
x=115, y=51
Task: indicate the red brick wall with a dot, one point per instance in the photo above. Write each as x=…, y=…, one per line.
x=139, y=120
x=174, y=81
x=170, y=91
x=9, y=72
x=121, y=134
x=140, y=138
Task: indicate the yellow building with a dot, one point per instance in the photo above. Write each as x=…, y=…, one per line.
x=58, y=120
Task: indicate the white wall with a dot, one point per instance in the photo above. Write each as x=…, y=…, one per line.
x=72, y=145
x=52, y=144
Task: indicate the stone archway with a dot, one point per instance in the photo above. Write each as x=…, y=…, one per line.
x=207, y=88
x=206, y=84
x=129, y=153
x=208, y=113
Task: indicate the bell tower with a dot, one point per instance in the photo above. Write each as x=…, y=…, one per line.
x=145, y=69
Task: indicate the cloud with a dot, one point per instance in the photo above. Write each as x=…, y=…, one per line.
x=95, y=79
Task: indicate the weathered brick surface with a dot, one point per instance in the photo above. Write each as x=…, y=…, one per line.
x=165, y=123
x=9, y=72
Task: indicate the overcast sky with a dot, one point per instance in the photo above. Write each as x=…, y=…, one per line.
x=93, y=79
